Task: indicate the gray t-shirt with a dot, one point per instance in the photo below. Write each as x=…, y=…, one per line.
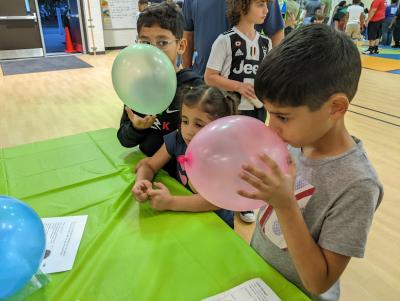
x=344, y=194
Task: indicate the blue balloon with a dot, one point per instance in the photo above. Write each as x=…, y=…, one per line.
x=22, y=245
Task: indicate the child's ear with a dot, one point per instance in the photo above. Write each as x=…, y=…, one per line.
x=182, y=44
x=339, y=105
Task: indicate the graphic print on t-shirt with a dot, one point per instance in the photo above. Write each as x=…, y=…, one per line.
x=269, y=221
x=246, y=57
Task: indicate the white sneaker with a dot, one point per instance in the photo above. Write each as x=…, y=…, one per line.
x=247, y=216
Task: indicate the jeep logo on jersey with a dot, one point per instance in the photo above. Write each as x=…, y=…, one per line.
x=247, y=68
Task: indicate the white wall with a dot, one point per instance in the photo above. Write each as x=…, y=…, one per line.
x=119, y=37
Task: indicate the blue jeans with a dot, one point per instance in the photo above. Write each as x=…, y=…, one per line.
x=386, y=33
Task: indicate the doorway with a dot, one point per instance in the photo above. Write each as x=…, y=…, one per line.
x=20, y=35
x=61, y=26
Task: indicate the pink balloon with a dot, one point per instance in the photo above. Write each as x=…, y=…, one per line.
x=215, y=156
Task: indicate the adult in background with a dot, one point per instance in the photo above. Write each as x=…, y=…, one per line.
x=374, y=23
x=396, y=29
x=390, y=13
x=206, y=19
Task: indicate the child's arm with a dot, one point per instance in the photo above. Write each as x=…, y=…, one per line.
x=161, y=199
x=318, y=268
x=214, y=78
x=146, y=171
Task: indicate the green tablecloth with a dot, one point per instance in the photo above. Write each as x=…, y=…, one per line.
x=128, y=251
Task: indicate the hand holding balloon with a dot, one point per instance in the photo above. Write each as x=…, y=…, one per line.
x=140, y=123
x=215, y=156
x=144, y=79
x=276, y=187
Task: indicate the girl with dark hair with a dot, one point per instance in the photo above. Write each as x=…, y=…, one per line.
x=200, y=106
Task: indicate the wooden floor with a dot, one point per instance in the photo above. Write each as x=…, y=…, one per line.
x=40, y=106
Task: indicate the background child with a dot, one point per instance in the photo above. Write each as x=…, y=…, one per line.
x=234, y=60
x=200, y=106
x=318, y=18
x=315, y=223
x=339, y=16
x=162, y=26
x=355, y=20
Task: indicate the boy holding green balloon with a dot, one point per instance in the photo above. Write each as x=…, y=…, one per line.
x=160, y=25
x=319, y=213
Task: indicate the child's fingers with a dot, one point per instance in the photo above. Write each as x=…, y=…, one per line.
x=149, y=119
x=160, y=185
x=271, y=164
x=253, y=180
x=153, y=192
x=141, y=197
x=130, y=113
x=147, y=185
x=249, y=195
x=251, y=169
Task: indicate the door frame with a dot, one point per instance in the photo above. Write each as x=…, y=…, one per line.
x=40, y=29
x=83, y=34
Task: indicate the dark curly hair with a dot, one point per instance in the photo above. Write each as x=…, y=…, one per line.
x=236, y=7
x=164, y=15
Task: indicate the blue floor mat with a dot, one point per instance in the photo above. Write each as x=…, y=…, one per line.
x=388, y=56
x=42, y=65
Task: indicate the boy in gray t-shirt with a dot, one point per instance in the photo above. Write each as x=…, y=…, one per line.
x=318, y=215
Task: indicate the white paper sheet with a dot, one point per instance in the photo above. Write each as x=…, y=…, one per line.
x=252, y=290
x=63, y=236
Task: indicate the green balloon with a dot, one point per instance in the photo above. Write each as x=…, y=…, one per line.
x=144, y=79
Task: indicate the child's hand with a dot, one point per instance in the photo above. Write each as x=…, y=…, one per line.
x=160, y=199
x=276, y=188
x=140, y=190
x=140, y=123
x=247, y=90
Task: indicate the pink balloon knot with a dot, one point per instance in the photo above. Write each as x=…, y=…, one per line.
x=181, y=159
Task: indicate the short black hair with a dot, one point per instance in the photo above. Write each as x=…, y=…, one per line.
x=311, y=64
x=165, y=15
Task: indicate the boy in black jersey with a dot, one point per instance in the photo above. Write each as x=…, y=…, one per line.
x=237, y=53
x=235, y=57
x=160, y=25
